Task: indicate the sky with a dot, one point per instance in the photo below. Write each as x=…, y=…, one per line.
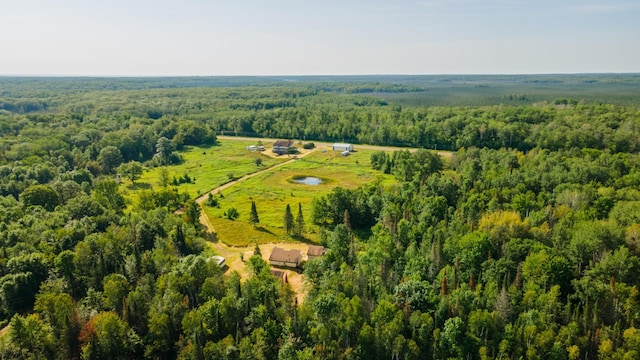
x=317, y=37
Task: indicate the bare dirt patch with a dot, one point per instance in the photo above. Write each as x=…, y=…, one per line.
x=236, y=257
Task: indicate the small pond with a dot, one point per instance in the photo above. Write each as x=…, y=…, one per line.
x=308, y=180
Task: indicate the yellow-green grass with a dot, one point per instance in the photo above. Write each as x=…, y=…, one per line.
x=272, y=191
x=209, y=166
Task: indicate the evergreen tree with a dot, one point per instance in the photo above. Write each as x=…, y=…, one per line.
x=299, y=221
x=180, y=241
x=347, y=219
x=253, y=217
x=288, y=220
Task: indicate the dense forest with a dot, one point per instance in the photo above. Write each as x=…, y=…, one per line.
x=524, y=243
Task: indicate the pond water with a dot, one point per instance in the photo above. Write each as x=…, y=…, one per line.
x=308, y=180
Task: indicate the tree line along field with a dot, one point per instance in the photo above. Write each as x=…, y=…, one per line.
x=523, y=243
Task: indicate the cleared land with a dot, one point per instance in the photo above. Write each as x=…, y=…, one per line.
x=272, y=190
x=236, y=256
x=210, y=167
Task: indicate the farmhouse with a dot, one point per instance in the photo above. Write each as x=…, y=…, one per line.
x=281, y=147
x=315, y=251
x=282, y=257
x=342, y=147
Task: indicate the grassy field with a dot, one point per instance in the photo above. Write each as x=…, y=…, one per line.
x=210, y=167
x=272, y=192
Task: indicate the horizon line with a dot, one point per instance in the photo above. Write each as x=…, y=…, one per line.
x=308, y=75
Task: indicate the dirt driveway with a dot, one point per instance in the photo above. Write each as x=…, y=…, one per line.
x=236, y=257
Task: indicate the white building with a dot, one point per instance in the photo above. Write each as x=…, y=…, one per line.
x=342, y=147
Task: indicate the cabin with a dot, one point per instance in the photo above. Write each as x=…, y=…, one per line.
x=282, y=147
x=342, y=147
x=286, y=258
x=315, y=251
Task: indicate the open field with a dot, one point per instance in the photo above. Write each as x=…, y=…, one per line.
x=273, y=190
x=209, y=166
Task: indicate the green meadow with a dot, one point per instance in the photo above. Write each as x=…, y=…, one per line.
x=211, y=167
x=273, y=190
x=208, y=167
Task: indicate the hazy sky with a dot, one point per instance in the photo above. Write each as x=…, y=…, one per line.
x=317, y=37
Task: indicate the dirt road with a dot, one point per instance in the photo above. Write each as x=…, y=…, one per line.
x=445, y=154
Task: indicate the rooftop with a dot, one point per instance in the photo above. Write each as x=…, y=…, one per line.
x=280, y=254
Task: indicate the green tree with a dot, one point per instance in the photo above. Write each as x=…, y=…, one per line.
x=33, y=337
x=108, y=337
x=116, y=288
x=253, y=216
x=107, y=193
x=42, y=195
x=109, y=159
x=299, y=227
x=192, y=213
x=164, y=150
x=131, y=170
x=164, y=177
x=288, y=220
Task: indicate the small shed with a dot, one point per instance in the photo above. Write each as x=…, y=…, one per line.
x=342, y=147
x=219, y=260
x=282, y=257
x=315, y=251
x=280, y=275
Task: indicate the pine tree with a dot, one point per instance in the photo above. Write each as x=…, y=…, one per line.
x=347, y=219
x=180, y=241
x=299, y=221
x=288, y=220
x=253, y=217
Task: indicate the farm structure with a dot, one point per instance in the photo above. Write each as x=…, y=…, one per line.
x=342, y=147
x=282, y=257
x=315, y=251
x=282, y=147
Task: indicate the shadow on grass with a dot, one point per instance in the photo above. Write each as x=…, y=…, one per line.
x=302, y=239
x=139, y=186
x=262, y=229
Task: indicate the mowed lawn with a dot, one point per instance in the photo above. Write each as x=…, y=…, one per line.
x=272, y=191
x=209, y=166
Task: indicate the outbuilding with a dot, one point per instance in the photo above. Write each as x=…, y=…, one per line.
x=315, y=251
x=219, y=260
x=342, y=147
x=282, y=257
